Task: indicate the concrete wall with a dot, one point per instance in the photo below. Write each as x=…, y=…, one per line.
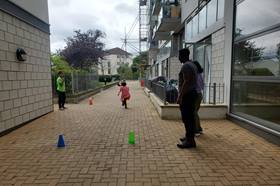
x=38, y=8
x=25, y=87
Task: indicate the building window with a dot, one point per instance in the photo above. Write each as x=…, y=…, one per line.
x=195, y=25
x=189, y=30
x=258, y=56
x=109, y=64
x=256, y=63
x=221, y=8
x=254, y=15
x=109, y=71
x=207, y=16
x=211, y=12
x=202, y=19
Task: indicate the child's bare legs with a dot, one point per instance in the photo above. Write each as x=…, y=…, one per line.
x=125, y=103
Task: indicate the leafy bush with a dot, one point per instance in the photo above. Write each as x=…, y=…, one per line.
x=116, y=77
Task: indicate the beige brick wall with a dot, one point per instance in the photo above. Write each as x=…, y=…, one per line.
x=218, y=52
x=25, y=87
x=174, y=67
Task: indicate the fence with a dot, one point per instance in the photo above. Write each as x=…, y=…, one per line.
x=213, y=93
x=159, y=90
x=77, y=82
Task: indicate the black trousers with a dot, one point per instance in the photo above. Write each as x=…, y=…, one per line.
x=188, y=111
x=61, y=99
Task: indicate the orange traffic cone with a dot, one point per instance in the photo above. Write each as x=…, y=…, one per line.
x=90, y=101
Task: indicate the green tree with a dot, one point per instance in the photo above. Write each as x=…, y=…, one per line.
x=125, y=72
x=139, y=65
x=60, y=64
x=84, y=48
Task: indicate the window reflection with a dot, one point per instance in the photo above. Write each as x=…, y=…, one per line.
x=254, y=15
x=257, y=99
x=259, y=56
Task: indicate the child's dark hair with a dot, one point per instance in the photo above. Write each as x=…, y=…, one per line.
x=123, y=84
x=198, y=66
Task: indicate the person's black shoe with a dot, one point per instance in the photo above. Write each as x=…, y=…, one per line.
x=183, y=139
x=187, y=144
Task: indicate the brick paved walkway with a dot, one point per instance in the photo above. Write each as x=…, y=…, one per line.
x=97, y=152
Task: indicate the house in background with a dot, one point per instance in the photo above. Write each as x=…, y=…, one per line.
x=25, y=69
x=113, y=59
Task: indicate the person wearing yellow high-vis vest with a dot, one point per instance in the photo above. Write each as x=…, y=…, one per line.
x=60, y=88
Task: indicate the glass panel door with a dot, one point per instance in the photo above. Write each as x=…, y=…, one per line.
x=203, y=56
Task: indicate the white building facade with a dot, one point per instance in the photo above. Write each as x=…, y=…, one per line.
x=113, y=59
x=25, y=80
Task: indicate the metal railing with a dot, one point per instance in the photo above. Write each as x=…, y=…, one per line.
x=159, y=90
x=213, y=93
x=76, y=82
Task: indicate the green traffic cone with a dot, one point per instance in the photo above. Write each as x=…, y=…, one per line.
x=131, y=138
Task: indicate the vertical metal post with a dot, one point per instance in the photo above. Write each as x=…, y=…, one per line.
x=164, y=94
x=209, y=93
x=214, y=93
x=72, y=82
x=77, y=81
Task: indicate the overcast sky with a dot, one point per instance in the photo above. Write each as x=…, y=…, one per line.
x=110, y=16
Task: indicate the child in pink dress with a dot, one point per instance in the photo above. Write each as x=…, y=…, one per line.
x=125, y=95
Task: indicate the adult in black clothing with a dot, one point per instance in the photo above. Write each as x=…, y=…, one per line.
x=187, y=97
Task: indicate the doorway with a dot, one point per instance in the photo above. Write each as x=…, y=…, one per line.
x=203, y=54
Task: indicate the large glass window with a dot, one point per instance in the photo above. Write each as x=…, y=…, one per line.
x=211, y=12
x=221, y=8
x=258, y=56
x=257, y=100
x=195, y=25
x=256, y=65
x=202, y=19
x=189, y=30
x=255, y=15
